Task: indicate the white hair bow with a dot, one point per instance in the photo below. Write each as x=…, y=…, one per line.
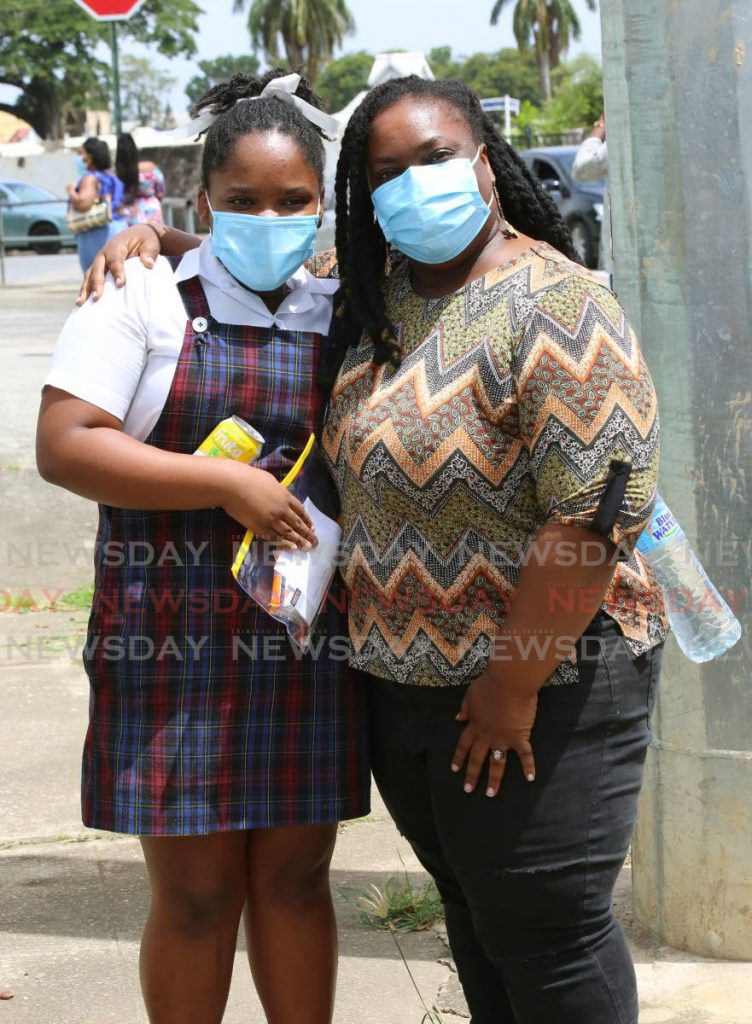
x=280, y=88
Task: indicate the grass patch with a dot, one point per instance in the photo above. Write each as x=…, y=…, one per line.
x=398, y=906
x=11, y=465
x=80, y=598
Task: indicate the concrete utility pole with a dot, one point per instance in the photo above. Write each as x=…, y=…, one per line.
x=678, y=90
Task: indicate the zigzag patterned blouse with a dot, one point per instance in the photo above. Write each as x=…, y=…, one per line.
x=522, y=399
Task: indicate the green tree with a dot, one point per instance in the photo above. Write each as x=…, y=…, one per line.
x=563, y=27
x=507, y=72
x=221, y=69
x=578, y=95
x=550, y=25
x=143, y=90
x=310, y=30
x=47, y=51
x=344, y=78
x=442, y=63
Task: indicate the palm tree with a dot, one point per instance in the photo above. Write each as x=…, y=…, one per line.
x=309, y=30
x=564, y=26
x=551, y=24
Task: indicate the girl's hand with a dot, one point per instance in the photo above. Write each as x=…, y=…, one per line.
x=260, y=502
x=497, y=719
x=139, y=240
x=70, y=189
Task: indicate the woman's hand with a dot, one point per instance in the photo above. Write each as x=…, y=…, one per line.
x=70, y=189
x=139, y=240
x=262, y=504
x=497, y=719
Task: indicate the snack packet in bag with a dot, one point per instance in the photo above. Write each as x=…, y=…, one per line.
x=291, y=586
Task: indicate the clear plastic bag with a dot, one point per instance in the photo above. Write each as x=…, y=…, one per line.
x=291, y=586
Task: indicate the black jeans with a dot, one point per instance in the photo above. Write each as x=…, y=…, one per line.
x=527, y=876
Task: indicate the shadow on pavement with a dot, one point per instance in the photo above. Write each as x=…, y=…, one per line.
x=84, y=892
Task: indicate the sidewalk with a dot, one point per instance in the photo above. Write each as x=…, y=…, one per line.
x=30, y=269
x=72, y=902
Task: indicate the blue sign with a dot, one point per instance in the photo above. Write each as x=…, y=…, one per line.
x=501, y=103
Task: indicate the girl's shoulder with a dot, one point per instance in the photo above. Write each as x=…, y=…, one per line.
x=323, y=264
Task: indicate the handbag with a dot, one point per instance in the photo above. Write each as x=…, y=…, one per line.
x=97, y=216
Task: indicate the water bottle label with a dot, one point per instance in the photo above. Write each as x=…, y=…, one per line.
x=662, y=525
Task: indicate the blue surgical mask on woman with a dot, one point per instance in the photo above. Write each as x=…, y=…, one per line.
x=81, y=166
x=432, y=213
x=262, y=252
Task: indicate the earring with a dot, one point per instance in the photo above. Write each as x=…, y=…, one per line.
x=506, y=228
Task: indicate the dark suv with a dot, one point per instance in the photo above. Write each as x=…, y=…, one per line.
x=581, y=206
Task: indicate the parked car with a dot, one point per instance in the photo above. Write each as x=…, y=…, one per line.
x=581, y=206
x=30, y=213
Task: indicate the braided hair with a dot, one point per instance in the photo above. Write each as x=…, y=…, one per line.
x=362, y=250
x=266, y=114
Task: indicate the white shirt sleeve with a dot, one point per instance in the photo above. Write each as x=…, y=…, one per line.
x=101, y=352
x=591, y=161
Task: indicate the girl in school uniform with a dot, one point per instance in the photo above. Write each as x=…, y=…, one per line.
x=231, y=758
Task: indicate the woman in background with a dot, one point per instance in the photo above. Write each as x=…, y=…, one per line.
x=143, y=181
x=96, y=182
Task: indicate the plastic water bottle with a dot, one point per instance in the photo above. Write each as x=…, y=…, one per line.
x=702, y=622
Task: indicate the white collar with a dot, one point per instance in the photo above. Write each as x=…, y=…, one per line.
x=303, y=285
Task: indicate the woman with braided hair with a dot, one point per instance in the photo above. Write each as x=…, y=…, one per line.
x=493, y=433
x=494, y=436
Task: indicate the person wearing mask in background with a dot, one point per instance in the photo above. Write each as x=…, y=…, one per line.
x=143, y=182
x=591, y=164
x=96, y=181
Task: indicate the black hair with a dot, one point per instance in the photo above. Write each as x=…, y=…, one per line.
x=263, y=115
x=99, y=153
x=126, y=164
x=362, y=250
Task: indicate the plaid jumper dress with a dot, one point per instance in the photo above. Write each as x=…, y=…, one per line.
x=202, y=719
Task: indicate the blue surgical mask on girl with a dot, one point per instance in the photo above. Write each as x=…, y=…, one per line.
x=432, y=213
x=81, y=166
x=262, y=252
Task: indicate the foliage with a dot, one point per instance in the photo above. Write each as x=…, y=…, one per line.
x=577, y=84
x=578, y=96
x=506, y=72
x=220, y=69
x=310, y=30
x=442, y=63
x=550, y=25
x=143, y=88
x=344, y=78
x=400, y=906
x=47, y=50
x=80, y=598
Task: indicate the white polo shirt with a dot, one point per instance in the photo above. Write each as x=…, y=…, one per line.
x=120, y=353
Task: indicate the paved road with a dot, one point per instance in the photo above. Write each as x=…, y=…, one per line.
x=30, y=269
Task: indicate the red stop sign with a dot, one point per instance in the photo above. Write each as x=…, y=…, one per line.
x=110, y=10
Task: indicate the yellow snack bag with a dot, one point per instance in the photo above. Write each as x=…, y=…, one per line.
x=291, y=586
